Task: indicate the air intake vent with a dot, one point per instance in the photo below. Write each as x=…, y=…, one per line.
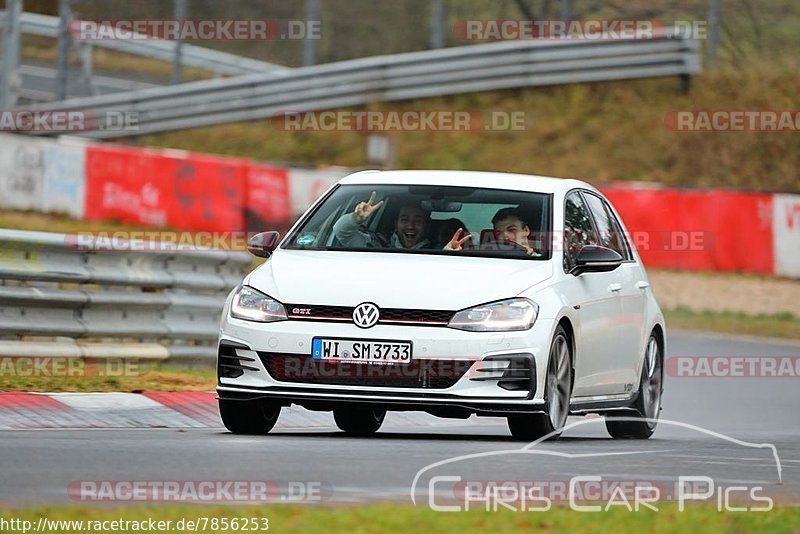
x=512, y=372
x=230, y=364
x=426, y=374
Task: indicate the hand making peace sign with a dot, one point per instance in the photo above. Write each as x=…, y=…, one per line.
x=457, y=242
x=365, y=209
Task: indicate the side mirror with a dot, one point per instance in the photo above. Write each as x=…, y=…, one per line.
x=263, y=244
x=595, y=259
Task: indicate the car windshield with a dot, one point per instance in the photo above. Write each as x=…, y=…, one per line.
x=426, y=219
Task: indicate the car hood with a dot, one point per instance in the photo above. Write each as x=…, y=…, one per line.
x=394, y=280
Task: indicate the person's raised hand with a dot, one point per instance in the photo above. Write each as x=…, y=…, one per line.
x=365, y=209
x=457, y=242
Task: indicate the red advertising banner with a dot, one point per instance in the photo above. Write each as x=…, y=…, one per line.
x=267, y=201
x=123, y=184
x=150, y=187
x=208, y=193
x=714, y=230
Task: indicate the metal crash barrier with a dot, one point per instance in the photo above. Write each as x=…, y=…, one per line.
x=432, y=73
x=68, y=296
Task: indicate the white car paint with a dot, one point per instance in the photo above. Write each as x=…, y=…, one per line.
x=612, y=314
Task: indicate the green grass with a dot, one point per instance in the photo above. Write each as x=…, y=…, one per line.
x=389, y=518
x=44, y=49
x=783, y=325
x=138, y=377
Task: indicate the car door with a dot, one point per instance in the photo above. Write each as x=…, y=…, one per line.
x=630, y=323
x=597, y=304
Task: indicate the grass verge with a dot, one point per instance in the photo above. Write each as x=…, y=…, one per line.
x=44, y=49
x=388, y=518
x=783, y=325
x=137, y=378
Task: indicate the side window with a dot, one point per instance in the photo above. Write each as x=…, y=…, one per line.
x=608, y=228
x=622, y=239
x=578, y=230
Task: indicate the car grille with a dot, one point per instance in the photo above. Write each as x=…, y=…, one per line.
x=396, y=316
x=426, y=374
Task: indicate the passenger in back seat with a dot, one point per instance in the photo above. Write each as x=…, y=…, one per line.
x=509, y=228
x=446, y=228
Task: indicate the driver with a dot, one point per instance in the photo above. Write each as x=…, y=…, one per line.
x=410, y=227
x=510, y=226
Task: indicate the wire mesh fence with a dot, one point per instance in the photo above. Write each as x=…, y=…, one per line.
x=750, y=30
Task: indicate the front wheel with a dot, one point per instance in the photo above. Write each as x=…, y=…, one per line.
x=557, y=393
x=641, y=422
x=359, y=421
x=248, y=417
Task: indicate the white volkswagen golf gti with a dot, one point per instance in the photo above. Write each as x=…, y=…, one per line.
x=453, y=293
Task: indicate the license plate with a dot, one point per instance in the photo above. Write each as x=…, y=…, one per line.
x=361, y=351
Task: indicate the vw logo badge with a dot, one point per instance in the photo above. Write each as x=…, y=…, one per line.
x=366, y=315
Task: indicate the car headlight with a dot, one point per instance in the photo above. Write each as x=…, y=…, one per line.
x=501, y=316
x=252, y=305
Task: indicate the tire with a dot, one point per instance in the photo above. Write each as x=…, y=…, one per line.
x=248, y=417
x=557, y=393
x=641, y=421
x=359, y=421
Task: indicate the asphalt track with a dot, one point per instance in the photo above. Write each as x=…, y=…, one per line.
x=723, y=429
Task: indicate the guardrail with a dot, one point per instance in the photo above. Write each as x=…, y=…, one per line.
x=215, y=61
x=387, y=78
x=69, y=296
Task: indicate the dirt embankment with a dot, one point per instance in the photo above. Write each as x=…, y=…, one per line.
x=752, y=295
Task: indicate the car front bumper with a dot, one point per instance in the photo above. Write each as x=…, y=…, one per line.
x=479, y=386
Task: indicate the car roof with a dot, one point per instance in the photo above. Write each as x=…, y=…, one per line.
x=491, y=180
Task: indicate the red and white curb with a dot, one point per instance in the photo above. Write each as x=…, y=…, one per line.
x=153, y=409
x=193, y=409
